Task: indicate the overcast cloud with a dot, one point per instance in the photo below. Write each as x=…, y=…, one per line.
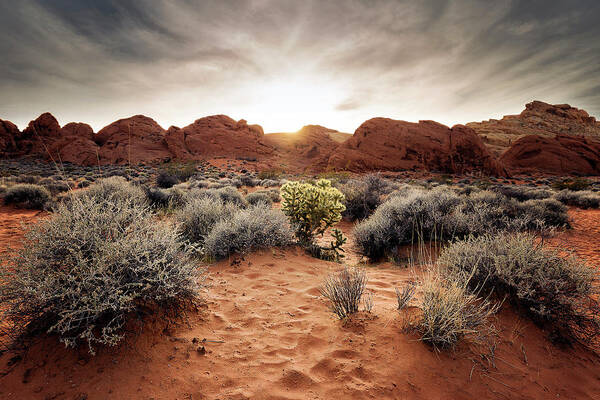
x=283, y=64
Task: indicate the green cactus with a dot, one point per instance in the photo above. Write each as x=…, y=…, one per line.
x=312, y=209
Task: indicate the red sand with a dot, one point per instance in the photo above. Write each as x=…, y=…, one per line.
x=270, y=336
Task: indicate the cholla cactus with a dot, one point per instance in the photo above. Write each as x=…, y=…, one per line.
x=312, y=209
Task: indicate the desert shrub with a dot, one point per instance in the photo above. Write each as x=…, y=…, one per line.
x=26, y=195
x=269, y=183
x=84, y=183
x=227, y=194
x=173, y=173
x=30, y=179
x=442, y=214
x=259, y=197
x=362, y=197
x=572, y=184
x=581, y=199
x=270, y=174
x=165, y=198
x=546, y=212
x=113, y=190
x=199, y=216
x=70, y=280
x=522, y=193
x=451, y=312
x=257, y=227
x=248, y=181
x=551, y=288
x=57, y=187
x=404, y=296
x=165, y=180
x=344, y=291
x=312, y=209
x=400, y=219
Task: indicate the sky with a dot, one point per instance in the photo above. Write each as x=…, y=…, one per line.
x=284, y=64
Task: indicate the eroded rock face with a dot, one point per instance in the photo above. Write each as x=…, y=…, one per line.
x=540, y=119
x=387, y=144
x=132, y=140
x=560, y=155
x=218, y=136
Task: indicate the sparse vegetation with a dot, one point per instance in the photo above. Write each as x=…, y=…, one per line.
x=451, y=312
x=442, y=214
x=257, y=227
x=344, y=291
x=312, y=209
x=259, y=197
x=581, y=199
x=199, y=216
x=27, y=195
x=553, y=289
x=572, y=184
x=96, y=262
x=363, y=196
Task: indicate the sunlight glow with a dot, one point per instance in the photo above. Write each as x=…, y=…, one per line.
x=287, y=104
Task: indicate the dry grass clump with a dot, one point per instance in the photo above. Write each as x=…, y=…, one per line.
x=99, y=259
x=451, y=312
x=344, y=291
x=257, y=227
x=27, y=195
x=405, y=295
x=554, y=290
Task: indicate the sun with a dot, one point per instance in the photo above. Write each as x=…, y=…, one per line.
x=285, y=104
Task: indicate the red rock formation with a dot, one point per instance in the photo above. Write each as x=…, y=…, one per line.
x=540, y=119
x=216, y=136
x=75, y=144
x=9, y=136
x=310, y=147
x=387, y=144
x=132, y=140
x=561, y=155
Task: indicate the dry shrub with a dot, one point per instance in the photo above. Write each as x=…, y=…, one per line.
x=344, y=291
x=257, y=227
x=581, y=199
x=27, y=196
x=83, y=272
x=405, y=295
x=451, y=312
x=555, y=290
x=441, y=213
x=199, y=216
x=259, y=197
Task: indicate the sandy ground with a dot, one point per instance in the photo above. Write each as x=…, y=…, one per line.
x=269, y=335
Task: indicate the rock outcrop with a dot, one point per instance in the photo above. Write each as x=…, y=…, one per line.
x=309, y=148
x=9, y=137
x=132, y=140
x=387, y=144
x=218, y=136
x=540, y=119
x=560, y=155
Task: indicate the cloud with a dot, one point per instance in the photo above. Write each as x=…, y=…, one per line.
x=452, y=61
